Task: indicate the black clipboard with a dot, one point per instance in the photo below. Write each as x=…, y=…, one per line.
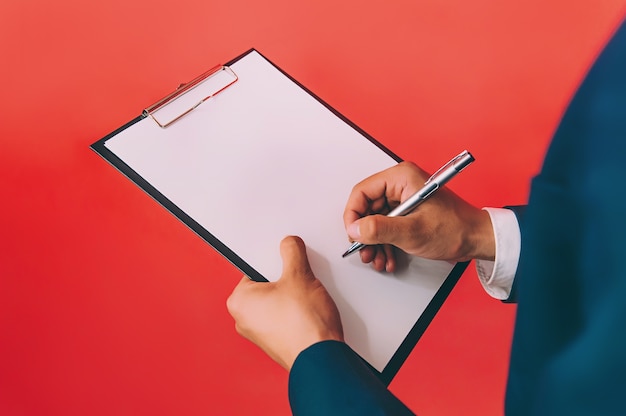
x=186, y=109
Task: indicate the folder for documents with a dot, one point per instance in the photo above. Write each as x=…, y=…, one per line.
x=245, y=155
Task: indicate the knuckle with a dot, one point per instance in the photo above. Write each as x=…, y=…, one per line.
x=411, y=169
x=407, y=164
x=232, y=304
x=373, y=228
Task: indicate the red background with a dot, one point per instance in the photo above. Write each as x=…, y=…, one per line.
x=110, y=306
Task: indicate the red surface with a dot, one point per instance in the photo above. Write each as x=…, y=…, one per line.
x=111, y=306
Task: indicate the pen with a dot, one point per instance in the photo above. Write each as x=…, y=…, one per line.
x=436, y=181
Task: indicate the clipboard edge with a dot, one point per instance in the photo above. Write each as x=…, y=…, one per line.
x=100, y=148
x=328, y=107
x=424, y=321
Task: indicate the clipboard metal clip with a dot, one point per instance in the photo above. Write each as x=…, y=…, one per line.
x=190, y=95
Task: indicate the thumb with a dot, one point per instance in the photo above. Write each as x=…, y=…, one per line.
x=295, y=260
x=378, y=229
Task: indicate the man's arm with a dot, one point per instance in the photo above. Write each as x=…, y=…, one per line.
x=444, y=228
x=296, y=317
x=329, y=378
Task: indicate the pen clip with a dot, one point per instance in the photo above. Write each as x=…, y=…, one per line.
x=452, y=162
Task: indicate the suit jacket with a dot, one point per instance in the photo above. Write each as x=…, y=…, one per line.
x=569, y=346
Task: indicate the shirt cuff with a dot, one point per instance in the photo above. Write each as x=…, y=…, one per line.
x=497, y=276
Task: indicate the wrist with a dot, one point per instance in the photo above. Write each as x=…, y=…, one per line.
x=304, y=344
x=316, y=346
x=483, y=237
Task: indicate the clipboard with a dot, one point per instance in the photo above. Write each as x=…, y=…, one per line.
x=244, y=155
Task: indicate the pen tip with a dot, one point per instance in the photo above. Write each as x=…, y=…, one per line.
x=355, y=247
x=351, y=250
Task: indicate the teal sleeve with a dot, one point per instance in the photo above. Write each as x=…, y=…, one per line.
x=518, y=210
x=329, y=378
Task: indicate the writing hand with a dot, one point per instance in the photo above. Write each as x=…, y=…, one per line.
x=445, y=227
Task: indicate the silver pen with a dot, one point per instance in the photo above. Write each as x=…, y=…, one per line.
x=436, y=181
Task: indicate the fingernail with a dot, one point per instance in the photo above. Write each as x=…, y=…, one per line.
x=354, y=231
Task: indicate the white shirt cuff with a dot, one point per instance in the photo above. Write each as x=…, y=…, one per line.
x=497, y=276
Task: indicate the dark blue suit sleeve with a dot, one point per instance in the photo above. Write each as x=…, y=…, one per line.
x=329, y=378
x=519, y=213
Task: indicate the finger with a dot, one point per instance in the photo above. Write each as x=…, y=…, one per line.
x=354, y=231
x=245, y=280
x=364, y=195
x=390, y=265
x=380, y=260
x=295, y=260
x=379, y=229
x=234, y=302
x=403, y=232
x=383, y=190
x=368, y=253
x=385, y=259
